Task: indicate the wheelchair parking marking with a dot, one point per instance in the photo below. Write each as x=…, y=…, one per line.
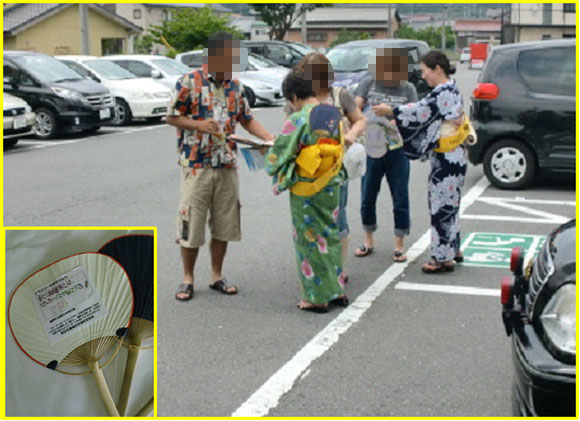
x=542, y=216
x=449, y=289
x=486, y=249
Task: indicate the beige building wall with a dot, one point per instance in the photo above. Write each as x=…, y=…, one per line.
x=60, y=34
x=331, y=34
x=535, y=34
x=533, y=13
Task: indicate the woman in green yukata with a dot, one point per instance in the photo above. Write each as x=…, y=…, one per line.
x=306, y=159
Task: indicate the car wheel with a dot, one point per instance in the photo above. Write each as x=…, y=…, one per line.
x=509, y=164
x=122, y=113
x=250, y=96
x=45, y=127
x=154, y=120
x=10, y=143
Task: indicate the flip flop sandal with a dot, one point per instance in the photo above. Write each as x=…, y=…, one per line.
x=341, y=301
x=314, y=308
x=436, y=267
x=224, y=288
x=185, y=289
x=399, y=257
x=364, y=250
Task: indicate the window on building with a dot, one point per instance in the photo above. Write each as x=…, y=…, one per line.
x=546, y=36
x=316, y=36
x=166, y=15
x=136, y=13
x=549, y=71
x=569, y=7
x=111, y=46
x=547, y=14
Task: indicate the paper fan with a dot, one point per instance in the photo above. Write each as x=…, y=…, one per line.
x=71, y=312
x=135, y=254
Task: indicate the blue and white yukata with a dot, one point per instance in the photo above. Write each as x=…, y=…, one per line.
x=420, y=126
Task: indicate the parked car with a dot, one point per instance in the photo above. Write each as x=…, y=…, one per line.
x=134, y=97
x=60, y=97
x=539, y=313
x=18, y=119
x=260, y=83
x=465, y=55
x=524, y=112
x=283, y=53
x=164, y=70
x=350, y=61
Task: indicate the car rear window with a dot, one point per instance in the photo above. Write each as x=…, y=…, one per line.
x=549, y=71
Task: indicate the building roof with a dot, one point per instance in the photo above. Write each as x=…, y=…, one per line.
x=480, y=25
x=216, y=7
x=20, y=17
x=330, y=17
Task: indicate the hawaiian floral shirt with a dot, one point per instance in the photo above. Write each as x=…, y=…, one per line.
x=198, y=97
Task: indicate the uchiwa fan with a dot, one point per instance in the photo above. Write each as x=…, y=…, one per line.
x=135, y=254
x=72, y=312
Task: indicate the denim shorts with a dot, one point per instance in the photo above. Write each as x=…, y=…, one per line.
x=343, y=229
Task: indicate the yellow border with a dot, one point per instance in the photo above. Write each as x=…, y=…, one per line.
x=2, y=245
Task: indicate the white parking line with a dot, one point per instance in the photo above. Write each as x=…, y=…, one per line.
x=543, y=217
x=269, y=394
x=532, y=201
x=448, y=289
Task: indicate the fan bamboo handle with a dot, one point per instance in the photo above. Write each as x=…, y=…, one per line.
x=103, y=388
x=146, y=410
x=132, y=355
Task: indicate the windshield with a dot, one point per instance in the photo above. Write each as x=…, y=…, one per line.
x=109, y=70
x=47, y=69
x=259, y=61
x=171, y=67
x=351, y=59
x=303, y=49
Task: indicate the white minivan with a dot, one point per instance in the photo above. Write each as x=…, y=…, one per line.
x=164, y=70
x=134, y=97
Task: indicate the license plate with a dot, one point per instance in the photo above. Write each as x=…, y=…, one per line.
x=105, y=113
x=20, y=122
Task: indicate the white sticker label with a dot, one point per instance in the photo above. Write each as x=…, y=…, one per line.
x=68, y=304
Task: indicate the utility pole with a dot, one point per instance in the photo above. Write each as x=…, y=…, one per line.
x=389, y=23
x=443, y=28
x=303, y=24
x=84, y=19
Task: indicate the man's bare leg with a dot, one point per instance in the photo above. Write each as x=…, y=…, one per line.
x=188, y=257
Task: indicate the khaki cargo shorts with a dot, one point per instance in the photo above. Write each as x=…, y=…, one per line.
x=213, y=191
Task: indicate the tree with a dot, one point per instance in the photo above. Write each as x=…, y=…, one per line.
x=281, y=16
x=190, y=28
x=431, y=35
x=143, y=44
x=347, y=36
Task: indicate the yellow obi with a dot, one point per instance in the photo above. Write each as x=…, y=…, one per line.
x=320, y=162
x=452, y=136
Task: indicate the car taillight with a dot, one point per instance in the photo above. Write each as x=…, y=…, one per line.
x=507, y=284
x=517, y=261
x=486, y=91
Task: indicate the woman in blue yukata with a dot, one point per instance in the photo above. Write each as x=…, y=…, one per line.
x=420, y=126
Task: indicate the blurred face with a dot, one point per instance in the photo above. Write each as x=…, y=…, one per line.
x=320, y=74
x=433, y=77
x=224, y=59
x=390, y=66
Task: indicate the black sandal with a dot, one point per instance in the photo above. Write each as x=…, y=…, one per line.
x=185, y=289
x=314, y=308
x=364, y=250
x=341, y=301
x=435, y=267
x=459, y=258
x=224, y=288
x=399, y=256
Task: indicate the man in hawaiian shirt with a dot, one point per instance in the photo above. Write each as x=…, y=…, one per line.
x=206, y=107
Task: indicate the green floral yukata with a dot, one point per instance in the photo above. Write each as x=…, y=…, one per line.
x=314, y=218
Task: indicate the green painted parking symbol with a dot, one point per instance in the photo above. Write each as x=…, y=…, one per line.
x=488, y=249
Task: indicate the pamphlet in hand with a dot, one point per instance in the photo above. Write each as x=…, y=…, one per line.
x=253, y=143
x=254, y=153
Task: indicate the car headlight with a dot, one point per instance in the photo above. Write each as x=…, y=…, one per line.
x=140, y=95
x=69, y=94
x=27, y=109
x=559, y=319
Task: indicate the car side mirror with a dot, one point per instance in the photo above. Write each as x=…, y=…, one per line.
x=288, y=57
x=156, y=74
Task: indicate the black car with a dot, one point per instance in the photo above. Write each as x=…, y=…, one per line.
x=524, y=113
x=539, y=312
x=350, y=61
x=283, y=53
x=61, y=98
